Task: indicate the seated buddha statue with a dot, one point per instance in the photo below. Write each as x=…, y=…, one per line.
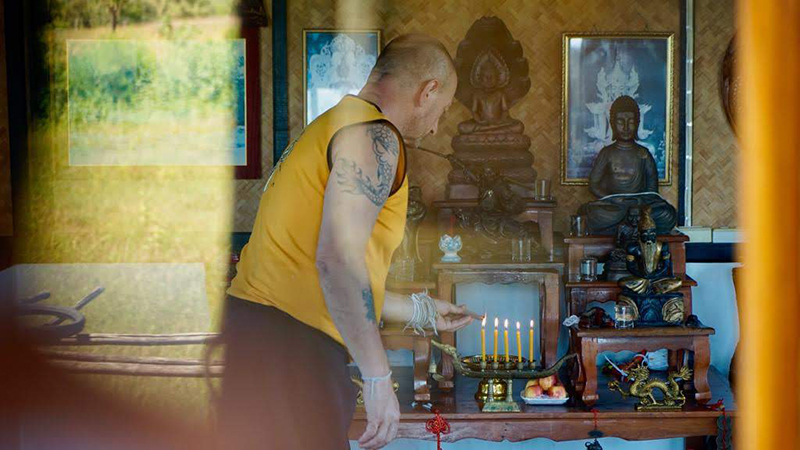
x=651, y=289
x=624, y=174
x=489, y=79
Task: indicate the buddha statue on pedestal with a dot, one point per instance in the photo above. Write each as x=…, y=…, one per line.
x=624, y=174
x=651, y=289
x=490, y=103
x=492, y=78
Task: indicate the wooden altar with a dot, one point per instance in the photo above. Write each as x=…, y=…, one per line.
x=615, y=416
x=589, y=343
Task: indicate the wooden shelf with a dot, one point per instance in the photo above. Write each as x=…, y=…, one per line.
x=643, y=332
x=602, y=284
x=410, y=285
x=470, y=203
x=500, y=265
x=609, y=239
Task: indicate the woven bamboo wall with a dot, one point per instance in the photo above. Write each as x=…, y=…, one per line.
x=716, y=155
x=539, y=26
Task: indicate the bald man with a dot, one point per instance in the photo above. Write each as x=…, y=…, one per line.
x=310, y=285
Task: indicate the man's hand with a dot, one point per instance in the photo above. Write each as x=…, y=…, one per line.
x=451, y=317
x=383, y=414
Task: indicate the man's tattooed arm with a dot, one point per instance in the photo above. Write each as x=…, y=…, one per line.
x=385, y=148
x=364, y=164
x=369, y=303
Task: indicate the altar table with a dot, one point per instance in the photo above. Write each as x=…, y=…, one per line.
x=616, y=416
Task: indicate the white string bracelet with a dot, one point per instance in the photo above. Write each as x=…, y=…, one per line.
x=373, y=380
x=423, y=314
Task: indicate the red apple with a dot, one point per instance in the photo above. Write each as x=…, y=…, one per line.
x=534, y=391
x=547, y=382
x=531, y=383
x=557, y=392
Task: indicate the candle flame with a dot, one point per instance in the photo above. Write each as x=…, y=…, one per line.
x=531, y=323
x=495, y=322
x=505, y=323
x=518, y=325
x=483, y=321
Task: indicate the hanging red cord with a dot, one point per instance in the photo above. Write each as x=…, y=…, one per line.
x=594, y=412
x=720, y=406
x=438, y=426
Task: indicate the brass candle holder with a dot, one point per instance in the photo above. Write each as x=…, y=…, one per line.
x=495, y=392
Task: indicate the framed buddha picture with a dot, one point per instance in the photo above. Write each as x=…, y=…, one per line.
x=600, y=68
x=335, y=63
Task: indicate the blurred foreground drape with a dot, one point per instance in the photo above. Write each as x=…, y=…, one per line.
x=769, y=398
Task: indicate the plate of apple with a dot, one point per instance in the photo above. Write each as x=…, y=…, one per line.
x=544, y=391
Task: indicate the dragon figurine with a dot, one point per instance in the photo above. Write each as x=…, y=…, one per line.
x=642, y=388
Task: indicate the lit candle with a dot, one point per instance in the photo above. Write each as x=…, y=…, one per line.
x=530, y=340
x=495, y=340
x=483, y=339
x=519, y=343
x=505, y=338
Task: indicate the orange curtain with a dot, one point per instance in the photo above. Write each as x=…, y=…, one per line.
x=769, y=397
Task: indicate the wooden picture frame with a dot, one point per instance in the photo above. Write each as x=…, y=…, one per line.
x=598, y=68
x=246, y=113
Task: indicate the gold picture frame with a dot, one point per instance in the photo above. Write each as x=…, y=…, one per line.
x=608, y=51
x=320, y=36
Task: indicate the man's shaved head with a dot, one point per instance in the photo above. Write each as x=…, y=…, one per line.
x=413, y=83
x=413, y=59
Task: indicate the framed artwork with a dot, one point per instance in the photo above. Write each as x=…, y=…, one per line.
x=335, y=63
x=598, y=69
x=156, y=103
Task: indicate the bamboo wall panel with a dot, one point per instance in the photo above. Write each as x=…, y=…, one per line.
x=716, y=152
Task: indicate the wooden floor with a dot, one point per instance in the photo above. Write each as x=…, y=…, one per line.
x=616, y=416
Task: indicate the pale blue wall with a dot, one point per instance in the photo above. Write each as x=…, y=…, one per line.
x=714, y=302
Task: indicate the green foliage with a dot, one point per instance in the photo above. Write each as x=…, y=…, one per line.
x=121, y=81
x=95, y=13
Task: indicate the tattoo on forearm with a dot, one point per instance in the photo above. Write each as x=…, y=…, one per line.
x=352, y=179
x=369, y=303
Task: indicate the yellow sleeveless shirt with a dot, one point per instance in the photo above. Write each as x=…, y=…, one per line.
x=277, y=267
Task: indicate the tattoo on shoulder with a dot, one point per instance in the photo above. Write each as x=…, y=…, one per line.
x=369, y=303
x=385, y=147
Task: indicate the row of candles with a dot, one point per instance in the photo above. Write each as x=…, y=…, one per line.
x=505, y=340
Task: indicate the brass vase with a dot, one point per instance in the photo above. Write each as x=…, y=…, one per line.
x=499, y=390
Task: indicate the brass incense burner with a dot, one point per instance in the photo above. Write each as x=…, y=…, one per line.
x=495, y=392
x=642, y=387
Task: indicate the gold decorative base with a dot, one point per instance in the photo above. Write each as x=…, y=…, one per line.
x=501, y=407
x=640, y=407
x=507, y=404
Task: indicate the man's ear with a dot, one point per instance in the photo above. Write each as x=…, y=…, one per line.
x=428, y=91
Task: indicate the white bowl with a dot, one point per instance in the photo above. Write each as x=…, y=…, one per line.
x=543, y=400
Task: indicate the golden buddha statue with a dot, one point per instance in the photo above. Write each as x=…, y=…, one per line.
x=651, y=290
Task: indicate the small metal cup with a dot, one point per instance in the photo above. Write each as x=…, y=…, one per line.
x=543, y=190
x=589, y=269
x=578, y=226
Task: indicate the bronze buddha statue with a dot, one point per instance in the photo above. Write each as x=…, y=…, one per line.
x=489, y=77
x=624, y=174
x=492, y=78
x=651, y=289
